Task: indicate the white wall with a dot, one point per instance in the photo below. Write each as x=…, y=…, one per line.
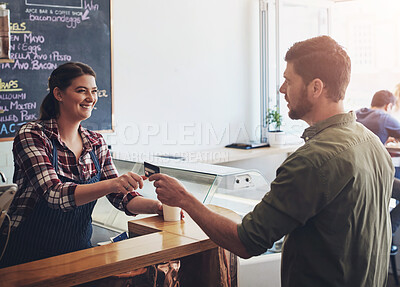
x=186, y=76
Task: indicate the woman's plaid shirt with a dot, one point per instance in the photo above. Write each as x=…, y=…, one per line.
x=36, y=177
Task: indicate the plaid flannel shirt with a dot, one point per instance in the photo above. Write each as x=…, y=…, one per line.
x=36, y=177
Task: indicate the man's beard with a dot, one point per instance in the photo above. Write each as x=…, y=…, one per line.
x=303, y=107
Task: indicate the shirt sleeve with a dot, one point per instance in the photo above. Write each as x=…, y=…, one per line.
x=393, y=127
x=109, y=171
x=296, y=195
x=31, y=155
x=263, y=226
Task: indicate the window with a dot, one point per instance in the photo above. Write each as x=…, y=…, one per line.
x=369, y=30
x=295, y=21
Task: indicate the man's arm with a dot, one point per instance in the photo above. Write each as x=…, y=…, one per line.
x=392, y=126
x=220, y=229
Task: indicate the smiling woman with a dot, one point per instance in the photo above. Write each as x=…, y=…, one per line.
x=61, y=169
x=72, y=96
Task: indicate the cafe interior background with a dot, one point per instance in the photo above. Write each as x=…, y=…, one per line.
x=186, y=74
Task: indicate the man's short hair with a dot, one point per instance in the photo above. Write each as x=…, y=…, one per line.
x=323, y=58
x=382, y=98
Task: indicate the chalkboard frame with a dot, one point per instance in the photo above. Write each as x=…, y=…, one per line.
x=110, y=59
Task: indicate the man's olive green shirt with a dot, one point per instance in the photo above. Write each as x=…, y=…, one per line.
x=331, y=198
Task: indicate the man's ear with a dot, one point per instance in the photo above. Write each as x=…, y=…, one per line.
x=316, y=86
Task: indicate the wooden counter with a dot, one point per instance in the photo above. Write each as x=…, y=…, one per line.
x=159, y=241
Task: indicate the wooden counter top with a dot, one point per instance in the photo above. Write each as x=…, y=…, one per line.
x=159, y=241
x=187, y=227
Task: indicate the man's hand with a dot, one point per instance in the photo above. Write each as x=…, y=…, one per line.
x=169, y=190
x=391, y=140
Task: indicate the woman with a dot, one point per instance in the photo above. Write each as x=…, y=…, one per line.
x=396, y=108
x=61, y=169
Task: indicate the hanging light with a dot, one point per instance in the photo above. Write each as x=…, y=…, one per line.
x=4, y=34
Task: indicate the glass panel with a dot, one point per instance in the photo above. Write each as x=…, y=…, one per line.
x=239, y=192
x=232, y=188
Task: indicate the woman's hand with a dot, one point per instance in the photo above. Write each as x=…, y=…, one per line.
x=158, y=209
x=127, y=182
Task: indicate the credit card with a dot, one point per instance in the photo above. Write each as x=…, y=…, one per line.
x=120, y=237
x=150, y=169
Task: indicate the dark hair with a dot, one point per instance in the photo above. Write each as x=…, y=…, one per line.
x=323, y=58
x=62, y=78
x=382, y=98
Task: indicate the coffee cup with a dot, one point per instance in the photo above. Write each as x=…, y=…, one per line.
x=171, y=213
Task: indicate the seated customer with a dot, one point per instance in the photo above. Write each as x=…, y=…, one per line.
x=380, y=122
x=378, y=118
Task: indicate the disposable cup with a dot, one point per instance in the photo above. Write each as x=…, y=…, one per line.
x=171, y=213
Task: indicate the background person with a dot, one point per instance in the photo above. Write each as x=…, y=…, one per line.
x=61, y=169
x=330, y=197
x=378, y=119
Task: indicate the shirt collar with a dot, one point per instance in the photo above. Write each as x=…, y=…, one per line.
x=51, y=129
x=88, y=138
x=339, y=119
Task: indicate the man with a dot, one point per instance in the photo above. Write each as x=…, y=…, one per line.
x=378, y=118
x=380, y=122
x=330, y=197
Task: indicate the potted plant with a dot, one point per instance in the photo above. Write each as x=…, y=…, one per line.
x=276, y=137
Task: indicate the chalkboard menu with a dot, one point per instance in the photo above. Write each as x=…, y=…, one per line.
x=44, y=35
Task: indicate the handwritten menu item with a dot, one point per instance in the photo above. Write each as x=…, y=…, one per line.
x=45, y=34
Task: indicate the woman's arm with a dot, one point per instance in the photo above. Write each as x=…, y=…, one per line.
x=36, y=173
x=141, y=205
x=123, y=184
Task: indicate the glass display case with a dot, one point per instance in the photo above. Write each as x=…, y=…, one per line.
x=236, y=189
